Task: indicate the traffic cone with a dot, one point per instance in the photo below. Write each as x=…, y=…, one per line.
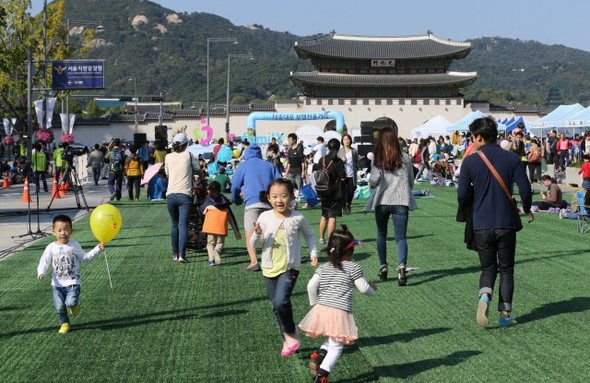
x=6, y=183
x=68, y=186
x=26, y=195
x=54, y=192
x=62, y=189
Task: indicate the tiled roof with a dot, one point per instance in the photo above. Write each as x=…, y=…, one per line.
x=290, y=101
x=525, y=109
x=92, y=121
x=218, y=110
x=187, y=112
x=546, y=110
x=124, y=118
x=154, y=116
x=263, y=107
x=301, y=79
x=502, y=107
x=367, y=47
x=239, y=108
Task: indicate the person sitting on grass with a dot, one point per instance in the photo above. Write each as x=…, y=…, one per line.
x=223, y=181
x=65, y=256
x=157, y=187
x=216, y=201
x=553, y=198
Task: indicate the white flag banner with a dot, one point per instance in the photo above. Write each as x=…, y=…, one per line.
x=39, y=111
x=64, y=122
x=72, y=121
x=12, y=126
x=7, y=126
x=49, y=112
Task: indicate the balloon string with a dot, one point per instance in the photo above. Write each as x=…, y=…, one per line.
x=108, y=271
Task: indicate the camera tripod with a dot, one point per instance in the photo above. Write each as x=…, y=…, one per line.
x=71, y=174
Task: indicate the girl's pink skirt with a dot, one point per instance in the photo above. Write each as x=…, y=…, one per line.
x=332, y=322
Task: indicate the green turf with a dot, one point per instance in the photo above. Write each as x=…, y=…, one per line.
x=171, y=322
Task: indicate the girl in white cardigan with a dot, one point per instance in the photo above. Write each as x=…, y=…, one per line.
x=278, y=231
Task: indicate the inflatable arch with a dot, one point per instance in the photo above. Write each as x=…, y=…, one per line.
x=296, y=116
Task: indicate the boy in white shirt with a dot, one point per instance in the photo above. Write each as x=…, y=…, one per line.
x=65, y=256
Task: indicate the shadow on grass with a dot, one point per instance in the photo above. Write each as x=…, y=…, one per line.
x=407, y=370
x=392, y=239
x=405, y=337
x=574, y=305
x=433, y=275
x=225, y=313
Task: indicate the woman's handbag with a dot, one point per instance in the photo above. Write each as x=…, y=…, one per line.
x=515, y=211
x=534, y=157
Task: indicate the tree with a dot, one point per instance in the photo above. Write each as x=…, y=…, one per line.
x=238, y=100
x=93, y=110
x=19, y=33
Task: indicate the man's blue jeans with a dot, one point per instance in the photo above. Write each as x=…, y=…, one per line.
x=496, y=248
x=179, y=207
x=115, y=184
x=96, y=172
x=64, y=297
x=399, y=216
x=42, y=175
x=279, y=290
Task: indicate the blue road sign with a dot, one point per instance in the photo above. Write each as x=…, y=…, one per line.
x=78, y=74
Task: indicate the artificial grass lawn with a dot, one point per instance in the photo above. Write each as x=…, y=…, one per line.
x=166, y=321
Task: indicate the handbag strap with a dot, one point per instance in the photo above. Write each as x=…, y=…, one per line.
x=495, y=173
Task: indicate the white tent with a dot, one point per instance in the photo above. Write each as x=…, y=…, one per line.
x=436, y=126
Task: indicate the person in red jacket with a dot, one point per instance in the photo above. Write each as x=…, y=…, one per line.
x=218, y=146
x=585, y=168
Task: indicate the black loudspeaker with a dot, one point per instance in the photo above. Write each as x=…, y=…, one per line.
x=162, y=133
x=139, y=139
x=363, y=150
x=366, y=124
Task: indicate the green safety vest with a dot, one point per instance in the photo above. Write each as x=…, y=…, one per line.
x=23, y=151
x=39, y=161
x=57, y=157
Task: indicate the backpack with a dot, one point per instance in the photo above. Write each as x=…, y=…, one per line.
x=322, y=180
x=116, y=161
x=134, y=166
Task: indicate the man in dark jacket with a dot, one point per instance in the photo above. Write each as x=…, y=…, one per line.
x=494, y=222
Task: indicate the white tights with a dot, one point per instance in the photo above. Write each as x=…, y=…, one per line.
x=333, y=349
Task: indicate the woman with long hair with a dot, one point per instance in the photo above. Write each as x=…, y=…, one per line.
x=392, y=177
x=332, y=204
x=179, y=166
x=349, y=155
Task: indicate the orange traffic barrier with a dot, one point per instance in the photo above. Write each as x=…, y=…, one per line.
x=68, y=186
x=54, y=191
x=26, y=195
x=6, y=183
x=62, y=188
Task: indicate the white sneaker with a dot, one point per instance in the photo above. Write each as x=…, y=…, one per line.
x=323, y=242
x=562, y=213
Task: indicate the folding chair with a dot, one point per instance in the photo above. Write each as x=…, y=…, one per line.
x=583, y=214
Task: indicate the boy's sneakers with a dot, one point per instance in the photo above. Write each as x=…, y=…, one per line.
x=175, y=257
x=75, y=310
x=65, y=327
x=507, y=322
x=216, y=257
x=212, y=263
x=323, y=242
x=182, y=259
x=482, y=310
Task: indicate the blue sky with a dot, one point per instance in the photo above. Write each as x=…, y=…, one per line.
x=553, y=22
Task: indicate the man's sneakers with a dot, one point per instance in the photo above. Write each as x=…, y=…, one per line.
x=75, y=310
x=562, y=213
x=483, y=310
x=216, y=257
x=175, y=257
x=427, y=193
x=507, y=322
x=323, y=242
x=65, y=327
x=212, y=263
x=182, y=259
x=113, y=196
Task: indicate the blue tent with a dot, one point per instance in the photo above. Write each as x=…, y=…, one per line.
x=514, y=124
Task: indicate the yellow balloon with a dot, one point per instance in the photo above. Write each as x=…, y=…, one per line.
x=105, y=222
x=236, y=153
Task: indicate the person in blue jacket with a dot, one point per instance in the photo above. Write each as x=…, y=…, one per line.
x=157, y=187
x=252, y=177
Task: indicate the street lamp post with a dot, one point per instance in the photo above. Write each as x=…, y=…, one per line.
x=215, y=39
x=99, y=28
x=134, y=79
x=229, y=57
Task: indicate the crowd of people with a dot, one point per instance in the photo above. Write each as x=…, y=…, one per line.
x=269, y=188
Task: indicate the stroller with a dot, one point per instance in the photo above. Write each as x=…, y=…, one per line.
x=196, y=239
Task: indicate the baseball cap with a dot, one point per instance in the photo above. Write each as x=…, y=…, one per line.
x=180, y=138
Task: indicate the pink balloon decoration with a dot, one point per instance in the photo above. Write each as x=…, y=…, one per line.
x=505, y=144
x=370, y=156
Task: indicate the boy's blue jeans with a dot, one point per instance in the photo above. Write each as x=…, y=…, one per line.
x=64, y=297
x=279, y=290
